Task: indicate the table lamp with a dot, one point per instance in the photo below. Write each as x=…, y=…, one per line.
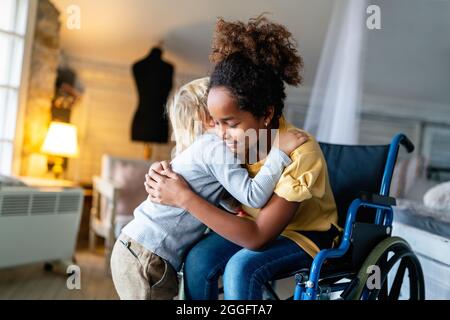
x=60, y=143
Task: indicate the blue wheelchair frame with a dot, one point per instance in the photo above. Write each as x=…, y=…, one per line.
x=384, y=216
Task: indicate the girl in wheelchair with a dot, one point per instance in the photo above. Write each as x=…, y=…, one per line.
x=150, y=249
x=254, y=61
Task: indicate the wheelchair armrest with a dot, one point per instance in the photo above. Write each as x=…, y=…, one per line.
x=377, y=199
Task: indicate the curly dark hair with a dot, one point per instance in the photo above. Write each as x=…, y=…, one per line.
x=253, y=61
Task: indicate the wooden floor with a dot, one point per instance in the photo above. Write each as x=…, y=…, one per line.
x=33, y=282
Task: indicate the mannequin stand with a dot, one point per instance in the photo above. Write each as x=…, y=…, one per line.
x=148, y=150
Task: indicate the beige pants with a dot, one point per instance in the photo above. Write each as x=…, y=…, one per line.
x=140, y=274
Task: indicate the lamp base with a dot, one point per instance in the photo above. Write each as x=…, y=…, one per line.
x=148, y=151
x=57, y=167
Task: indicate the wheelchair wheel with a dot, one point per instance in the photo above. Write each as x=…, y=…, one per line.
x=392, y=257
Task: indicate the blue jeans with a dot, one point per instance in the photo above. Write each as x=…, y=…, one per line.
x=244, y=271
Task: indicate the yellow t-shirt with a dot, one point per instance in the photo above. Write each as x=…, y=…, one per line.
x=305, y=180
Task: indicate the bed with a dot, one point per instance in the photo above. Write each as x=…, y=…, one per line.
x=428, y=232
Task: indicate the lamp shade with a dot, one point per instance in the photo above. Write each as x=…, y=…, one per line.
x=61, y=140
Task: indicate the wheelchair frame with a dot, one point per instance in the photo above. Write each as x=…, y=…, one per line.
x=307, y=287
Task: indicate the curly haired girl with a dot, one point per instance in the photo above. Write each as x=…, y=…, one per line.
x=254, y=61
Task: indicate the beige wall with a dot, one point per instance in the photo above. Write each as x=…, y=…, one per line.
x=104, y=117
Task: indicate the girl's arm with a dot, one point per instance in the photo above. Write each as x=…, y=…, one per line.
x=252, y=234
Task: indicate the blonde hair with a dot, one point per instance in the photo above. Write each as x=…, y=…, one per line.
x=187, y=112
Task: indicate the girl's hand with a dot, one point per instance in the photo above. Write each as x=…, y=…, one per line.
x=159, y=166
x=155, y=166
x=288, y=141
x=166, y=187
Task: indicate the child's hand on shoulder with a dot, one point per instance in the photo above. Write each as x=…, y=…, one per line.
x=288, y=141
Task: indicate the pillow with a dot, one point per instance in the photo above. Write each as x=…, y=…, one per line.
x=438, y=197
x=129, y=177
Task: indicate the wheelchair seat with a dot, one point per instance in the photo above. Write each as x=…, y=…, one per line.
x=360, y=179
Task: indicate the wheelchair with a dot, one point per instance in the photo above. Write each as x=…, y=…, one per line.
x=369, y=263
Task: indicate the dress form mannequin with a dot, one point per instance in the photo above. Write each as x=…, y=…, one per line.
x=153, y=78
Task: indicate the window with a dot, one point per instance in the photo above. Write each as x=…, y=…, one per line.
x=13, y=14
x=436, y=149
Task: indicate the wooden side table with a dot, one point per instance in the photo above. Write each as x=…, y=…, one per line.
x=83, y=234
x=42, y=182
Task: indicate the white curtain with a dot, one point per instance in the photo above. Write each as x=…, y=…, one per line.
x=335, y=102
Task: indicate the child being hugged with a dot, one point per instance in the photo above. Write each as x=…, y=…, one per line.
x=150, y=249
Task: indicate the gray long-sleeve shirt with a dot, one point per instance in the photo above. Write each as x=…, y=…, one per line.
x=209, y=167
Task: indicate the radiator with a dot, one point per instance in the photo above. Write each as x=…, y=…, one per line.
x=38, y=224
